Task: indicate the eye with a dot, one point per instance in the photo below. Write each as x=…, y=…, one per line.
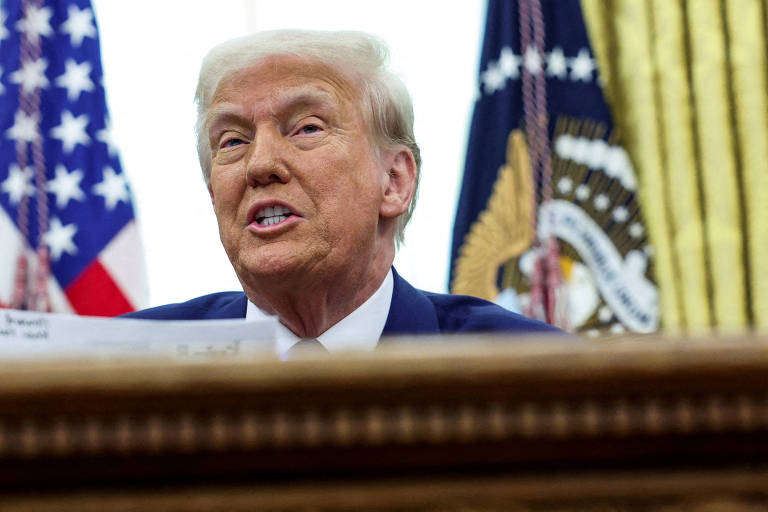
x=310, y=128
x=232, y=142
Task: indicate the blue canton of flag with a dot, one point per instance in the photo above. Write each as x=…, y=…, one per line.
x=548, y=222
x=67, y=230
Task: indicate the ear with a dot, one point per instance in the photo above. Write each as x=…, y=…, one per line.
x=399, y=184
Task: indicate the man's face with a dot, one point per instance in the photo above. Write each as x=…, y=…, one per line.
x=295, y=181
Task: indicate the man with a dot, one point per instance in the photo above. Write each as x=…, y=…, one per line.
x=306, y=144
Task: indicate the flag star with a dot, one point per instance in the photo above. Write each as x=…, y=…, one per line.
x=602, y=202
x=36, y=23
x=31, y=75
x=105, y=135
x=71, y=131
x=3, y=30
x=509, y=63
x=24, y=128
x=620, y=214
x=75, y=78
x=493, y=78
x=2, y=87
x=532, y=60
x=113, y=188
x=556, y=64
x=79, y=25
x=565, y=185
x=582, y=66
x=582, y=192
x=636, y=230
x=17, y=184
x=66, y=186
x=59, y=238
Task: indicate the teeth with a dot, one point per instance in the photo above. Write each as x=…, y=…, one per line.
x=272, y=215
x=271, y=211
x=268, y=221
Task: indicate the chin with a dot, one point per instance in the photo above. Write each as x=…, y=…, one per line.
x=265, y=268
x=274, y=263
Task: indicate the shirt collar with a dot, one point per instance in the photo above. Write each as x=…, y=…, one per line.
x=360, y=330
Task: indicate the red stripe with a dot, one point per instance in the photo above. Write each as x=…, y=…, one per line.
x=95, y=293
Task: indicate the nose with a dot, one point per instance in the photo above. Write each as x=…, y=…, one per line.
x=265, y=163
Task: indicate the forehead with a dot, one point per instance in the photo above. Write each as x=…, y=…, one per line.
x=281, y=78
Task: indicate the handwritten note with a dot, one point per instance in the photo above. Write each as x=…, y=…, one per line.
x=31, y=335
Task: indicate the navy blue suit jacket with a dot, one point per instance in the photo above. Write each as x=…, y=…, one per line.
x=412, y=311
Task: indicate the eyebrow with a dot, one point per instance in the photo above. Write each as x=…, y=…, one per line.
x=294, y=98
x=222, y=112
x=302, y=96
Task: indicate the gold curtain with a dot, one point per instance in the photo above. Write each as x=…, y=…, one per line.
x=686, y=81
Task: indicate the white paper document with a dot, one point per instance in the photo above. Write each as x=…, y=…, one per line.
x=32, y=335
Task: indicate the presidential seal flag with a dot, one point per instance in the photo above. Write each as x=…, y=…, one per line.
x=548, y=222
x=67, y=231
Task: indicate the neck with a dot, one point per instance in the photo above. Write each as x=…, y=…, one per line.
x=313, y=304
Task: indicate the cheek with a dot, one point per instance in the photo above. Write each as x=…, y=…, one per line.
x=227, y=190
x=356, y=195
x=346, y=183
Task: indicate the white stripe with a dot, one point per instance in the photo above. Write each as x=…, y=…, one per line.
x=12, y=243
x=11, y=240
x=123, y=257
x=59, y=301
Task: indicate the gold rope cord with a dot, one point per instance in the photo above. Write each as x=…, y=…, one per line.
x=503, y=230
x=686, y=81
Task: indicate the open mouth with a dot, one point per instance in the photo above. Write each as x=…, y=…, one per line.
x=272, y=215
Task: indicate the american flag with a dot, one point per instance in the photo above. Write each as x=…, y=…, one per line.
x=68, y=237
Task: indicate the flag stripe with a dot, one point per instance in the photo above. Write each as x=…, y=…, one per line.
x=95, y=293
x=11, y=246
x=123, y=259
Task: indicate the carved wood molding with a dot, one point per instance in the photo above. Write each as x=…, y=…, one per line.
x=445, y=406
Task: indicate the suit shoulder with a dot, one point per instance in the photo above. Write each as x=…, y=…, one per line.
x=212, y=306
x=462, y=313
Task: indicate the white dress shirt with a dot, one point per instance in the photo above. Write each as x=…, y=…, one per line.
x=360, y=330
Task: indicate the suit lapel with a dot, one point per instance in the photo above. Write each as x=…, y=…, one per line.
x=410, y=312
x=231, y=307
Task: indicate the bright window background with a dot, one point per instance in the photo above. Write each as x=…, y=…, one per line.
x=152, y=52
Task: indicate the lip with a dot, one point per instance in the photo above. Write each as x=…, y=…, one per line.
x=273, y=228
